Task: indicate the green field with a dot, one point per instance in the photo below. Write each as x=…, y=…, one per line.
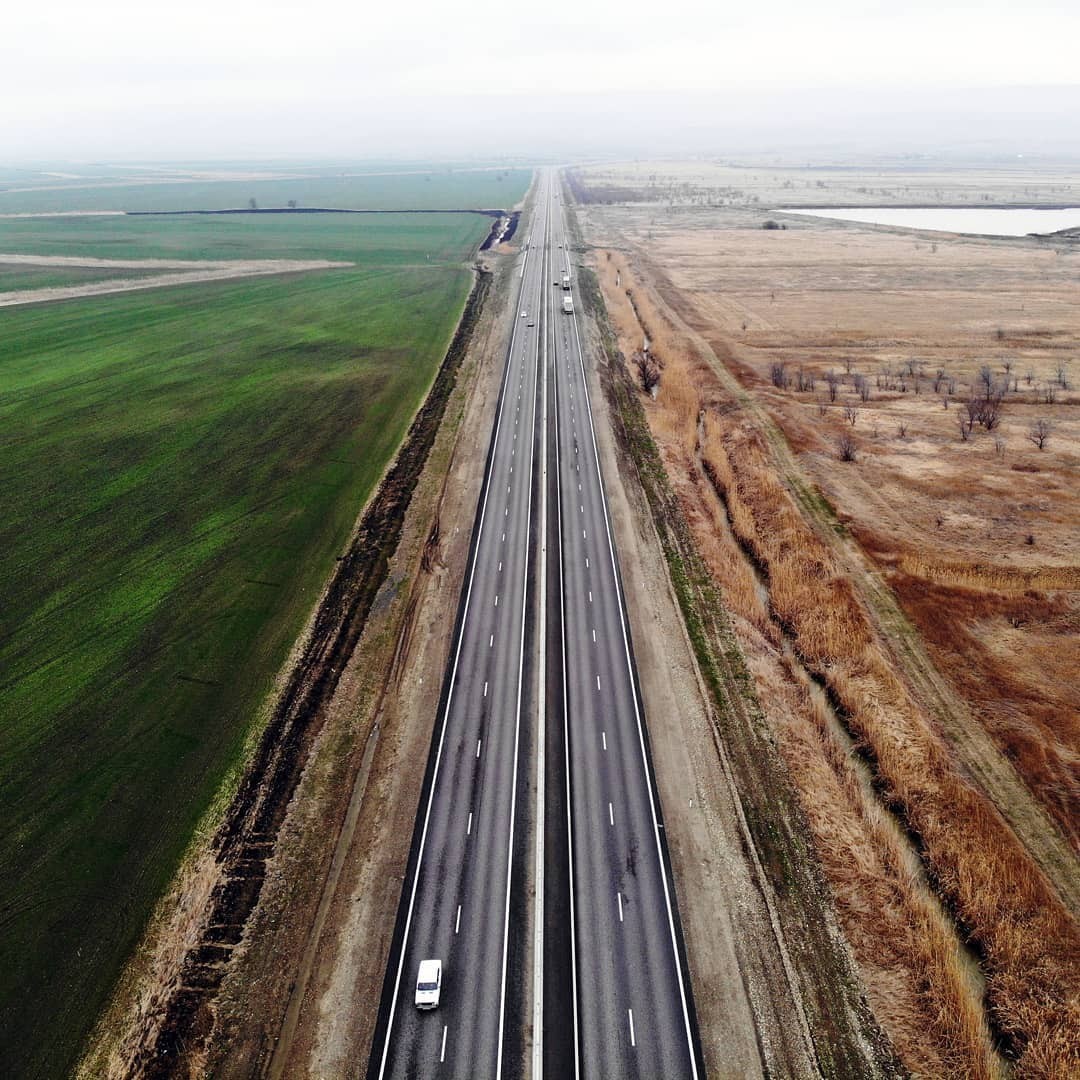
x=345, y=188
x=15, y=277
x=382, y=239
x=179, y=469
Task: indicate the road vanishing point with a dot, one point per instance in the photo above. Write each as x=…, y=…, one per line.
x=539, y=874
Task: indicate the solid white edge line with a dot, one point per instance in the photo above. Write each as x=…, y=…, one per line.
x=637, y=710
x=442, y=1052
x=541, y=706
x=450, y=693
x=517, y=729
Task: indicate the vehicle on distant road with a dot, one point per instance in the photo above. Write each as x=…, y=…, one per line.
x=568, y=305
x=428, y=984
x=524, y=314
x=566, y=282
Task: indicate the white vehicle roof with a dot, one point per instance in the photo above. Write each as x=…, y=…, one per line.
x=429, y=970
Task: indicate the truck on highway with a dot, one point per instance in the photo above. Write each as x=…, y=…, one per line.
x=566, y=282
x=568, y=305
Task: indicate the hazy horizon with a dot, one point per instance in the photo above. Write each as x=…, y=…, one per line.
x=248, y=80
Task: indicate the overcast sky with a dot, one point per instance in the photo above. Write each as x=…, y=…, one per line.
x=244, y=78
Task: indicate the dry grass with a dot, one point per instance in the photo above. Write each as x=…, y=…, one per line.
x=992, y=513
x=1028, y=942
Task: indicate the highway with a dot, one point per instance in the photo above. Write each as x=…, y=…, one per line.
x=456, y=899
x=540, y=758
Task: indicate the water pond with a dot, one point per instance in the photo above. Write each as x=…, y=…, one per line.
x=973, y=220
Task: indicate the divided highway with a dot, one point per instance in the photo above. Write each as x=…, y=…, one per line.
x=612, y=994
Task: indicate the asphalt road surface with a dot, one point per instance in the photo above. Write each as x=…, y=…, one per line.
x=633, y=1011
x=611, y=992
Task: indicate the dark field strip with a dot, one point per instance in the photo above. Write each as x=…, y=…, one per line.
x=179, y=470
x=435, y=189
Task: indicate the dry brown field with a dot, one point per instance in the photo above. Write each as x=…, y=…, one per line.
x=836, y=183
x=910, y=616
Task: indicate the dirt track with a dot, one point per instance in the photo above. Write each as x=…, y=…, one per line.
x=184, y=271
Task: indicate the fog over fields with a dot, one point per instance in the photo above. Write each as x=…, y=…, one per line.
x=252, y=79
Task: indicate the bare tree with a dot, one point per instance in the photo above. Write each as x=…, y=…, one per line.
x=648, y=370
x=851, y=414
x=862, y=387
x=1049, y=394
x=845, y=446
x=822, y=409
x=1039, y=433
x=848, y=362
x=804, y=381
x=963, y=422
x=901, y=430
x=999, y=446
x=832, y=381
x=778, y=374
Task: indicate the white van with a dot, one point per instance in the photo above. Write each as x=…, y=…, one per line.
x=428, y=984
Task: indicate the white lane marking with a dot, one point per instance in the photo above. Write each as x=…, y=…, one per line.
x=584, y=535
x=500, y=566
x=479, y=743
x=457, y=921
x=603, y=739
x=442, y=1052
x=597, y=682
x=637, y=713
x=586, y=562
x=468, y=827
x=504, y=538
x=506, y=512
x=446, y=714
x=485, y=689
x=582, y=507
x=491, y=641
x=590, y=596
x=618, y=896
x=496, y=599
x=538, y=862
x=507, y=489
x=633, y=1042
x=610, y=814
x=594, y=634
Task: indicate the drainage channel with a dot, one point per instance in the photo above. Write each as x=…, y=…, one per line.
x=833, y=722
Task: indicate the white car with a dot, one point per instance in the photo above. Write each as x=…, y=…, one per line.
x=524, y=314
x=428, y=984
